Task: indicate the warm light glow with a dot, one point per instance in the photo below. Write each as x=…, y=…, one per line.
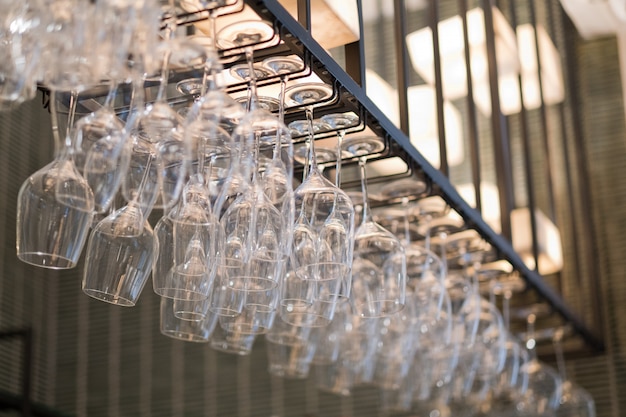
x=551, y=76
x=451, y=48
x=489, y=197
x=515, y=56
x=424, y=132
x=383, y=95
x=548, y=241
x=333, y=23
x=594, y=18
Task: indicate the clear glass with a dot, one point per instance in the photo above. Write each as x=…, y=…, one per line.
x=120, y=257
x=289, y=350
x=49, y=233
x=379, y=266
x=197, y=330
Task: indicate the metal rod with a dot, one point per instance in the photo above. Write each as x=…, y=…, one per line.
x=569, y=175
x=433, y=23
x=474, y=143
x=355, y=52
x=545, y=137
x=581, y=167
x=502, y=152
x=304, y=14
x=27, y=365
x=527, y=157
x=402, y=64
x=441, y=184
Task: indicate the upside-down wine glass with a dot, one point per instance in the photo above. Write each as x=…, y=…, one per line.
x=51, y=234
x=159, y=129
x=103, y=153
x=545, y=386
x=120, y=254
x=575, y=400
x=379, y=262
x=322, y=251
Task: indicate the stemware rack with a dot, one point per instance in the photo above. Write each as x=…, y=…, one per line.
x=402, y=160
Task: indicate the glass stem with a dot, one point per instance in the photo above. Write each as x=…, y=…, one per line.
x=54, y=121
x=530, y=337
x=253, y=98
x=312, y=159
x=340, y=135
x=281, y=98
x=110, y=99
x=558, y=351
x=407, y=234
x=506, y=307
x=165, y=73
x=366, y=205
x=71, y=115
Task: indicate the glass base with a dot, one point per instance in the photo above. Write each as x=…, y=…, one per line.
x=46, y=260
x=109, y=298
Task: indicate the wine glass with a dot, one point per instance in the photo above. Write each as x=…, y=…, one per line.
x=545, y=386
x=50, y=233
x=21, y=52
x=257, y=234
x=289, y=350
x=379, y=262
x=191, y=275
x=197, y=330
x=120, y=257
x=575, y=400
x=103, y=154
x=322, y=252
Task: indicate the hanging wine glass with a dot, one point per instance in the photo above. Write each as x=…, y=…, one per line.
x=160, y=130
x=283, y=66
x=245, y=34
x=379, y=263
x=289, y=350
x=197, y=330
x=257, y=234
x=545, y=385
x=104, y=155
x=120, y=255
x=194, y=231
x=322, y=251
x=21, y=50
x=50, y=233
x=575, y=400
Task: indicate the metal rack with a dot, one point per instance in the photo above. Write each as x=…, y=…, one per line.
x=293, y=38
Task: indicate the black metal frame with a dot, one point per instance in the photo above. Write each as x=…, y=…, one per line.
x=329, y=69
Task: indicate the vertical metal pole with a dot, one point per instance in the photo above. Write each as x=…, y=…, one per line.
x=433, y=22
x=27, y=346
x=355, y=52
x=581, y=166
x=499, y=128
x=569, y=175
x=527, y=157
x=544, y=119
x=304, y=14
x=402, y=65
x=471, y=110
